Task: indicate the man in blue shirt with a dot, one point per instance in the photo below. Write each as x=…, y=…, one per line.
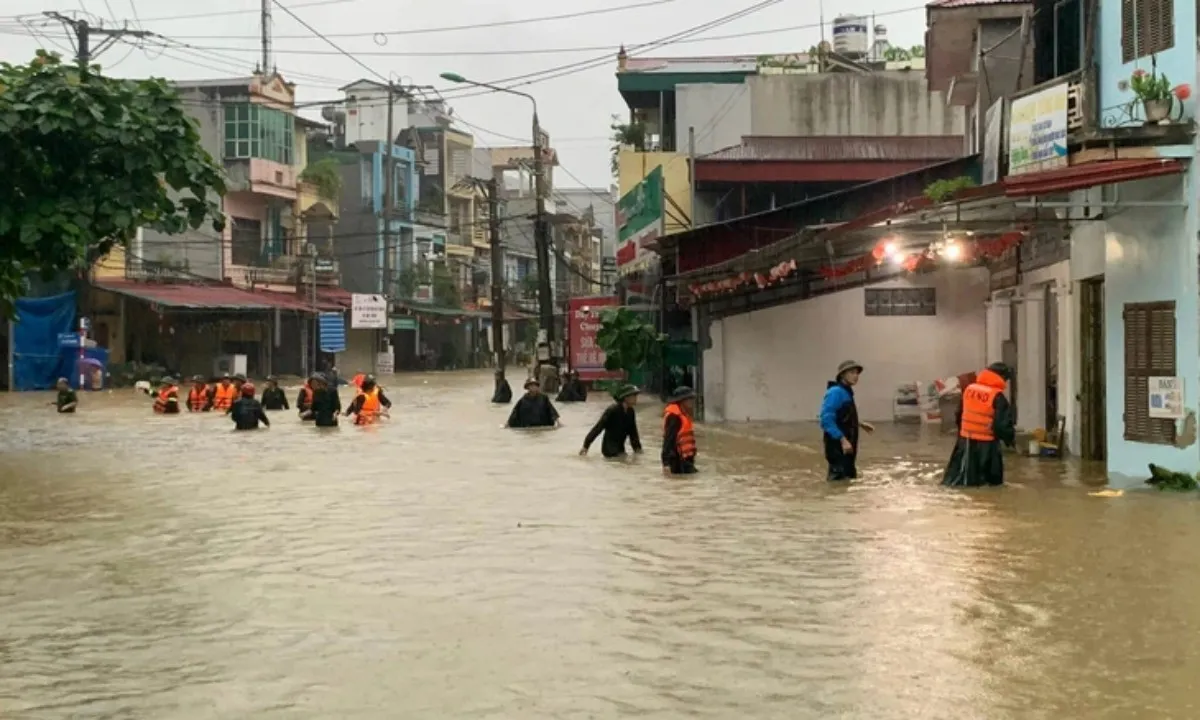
x=840, y=423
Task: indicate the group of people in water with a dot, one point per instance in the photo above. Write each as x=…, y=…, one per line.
x=984, y=420
x=617, y=424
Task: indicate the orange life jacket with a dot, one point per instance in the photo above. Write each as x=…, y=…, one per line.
x=163, y=400
x=368, y=412
x=686, y=441
x=223, y=396
x=198, y=398
x=358, y=380
x=306, y=396
x=978, y=412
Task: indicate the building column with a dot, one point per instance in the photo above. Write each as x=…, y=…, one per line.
x=997, y=324
x=1068, y=361
x=1031, y=366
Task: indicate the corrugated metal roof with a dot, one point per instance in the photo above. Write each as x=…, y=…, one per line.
x=209, y=297
x=972, y=3
x=832, y=148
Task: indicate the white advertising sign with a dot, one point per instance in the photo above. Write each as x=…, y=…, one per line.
x=1037, y=131
x=1166, y=397
x=385, y=363
x=368, y=312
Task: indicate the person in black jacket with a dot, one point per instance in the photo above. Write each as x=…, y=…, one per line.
x=618, y=423
x=503, y=392
x=273, y=397
x=247, y=412
x=534, y=409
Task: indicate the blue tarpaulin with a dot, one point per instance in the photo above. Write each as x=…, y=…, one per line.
x=37, y=357
x=333, y=332
x=46, y=344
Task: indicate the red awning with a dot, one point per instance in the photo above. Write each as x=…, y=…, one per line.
x=1087, y=175
x=209, y=296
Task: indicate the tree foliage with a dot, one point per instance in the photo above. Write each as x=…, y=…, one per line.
x=629, y=342
x=632, y=133
x=85, y=160
x=326, y=176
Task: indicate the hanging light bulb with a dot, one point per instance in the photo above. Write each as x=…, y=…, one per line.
x=890, y=249
x=952, y=251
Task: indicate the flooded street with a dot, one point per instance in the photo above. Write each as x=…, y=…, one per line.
x=439, y=567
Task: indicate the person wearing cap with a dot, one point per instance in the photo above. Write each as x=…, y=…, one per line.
x=238, y=381
x=304, y=399
x=534, y=409
x=984, y=420
x=573, y=389
x=273, y=397
x=679, y=433
x=326, y=403
x=370, y=403
x=199, y=398
x=67, y=400
x=502, y=395
x=247, y=412
x=224, y=393
x=840, y=423
x=618, y=423
x=166, y=401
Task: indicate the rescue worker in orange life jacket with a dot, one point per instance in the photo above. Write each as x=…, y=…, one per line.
x=166, y=400
x=304, y=400
x=984, y=420
x=200, y=396
x=224, y=394
x=370, y=403
x=358, y=380
x=679, y=433
x=238, y=381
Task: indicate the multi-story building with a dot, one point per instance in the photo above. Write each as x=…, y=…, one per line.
x=598, y=205
x=251, y=126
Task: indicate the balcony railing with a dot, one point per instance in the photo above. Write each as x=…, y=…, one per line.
x=287, y=270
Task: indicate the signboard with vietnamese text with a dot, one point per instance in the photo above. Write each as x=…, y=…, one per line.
x=585, y=356
x=368, y=312
x=1166, y=398
x=1037, y=131
x=639, y=221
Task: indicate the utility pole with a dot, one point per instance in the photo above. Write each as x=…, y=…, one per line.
x=84, y=52
x=493, y=198
x=389, y=183
x=265, y=19
x=312, y=267
x=541, y=237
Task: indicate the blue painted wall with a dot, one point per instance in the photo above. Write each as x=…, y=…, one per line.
x=1178, y=63
x=1151, y=255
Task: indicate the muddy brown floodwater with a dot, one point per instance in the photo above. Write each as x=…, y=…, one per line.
x=439, y=567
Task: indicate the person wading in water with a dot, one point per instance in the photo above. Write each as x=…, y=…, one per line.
x=370, y=403
x=533, y=410
x=326, y=404
x=273, y=397
x=679, y=433
x=618, y=423
x=224, y=394
x=166, y=402
x=67, y=400
x=503, y=392
x=984, y=420
x=199, y=398
x=840, y=423
x=247, y=412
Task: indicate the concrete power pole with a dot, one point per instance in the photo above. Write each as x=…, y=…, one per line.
x=541, y=237
x=493, y=197
x=389, y=184
x=84, y=52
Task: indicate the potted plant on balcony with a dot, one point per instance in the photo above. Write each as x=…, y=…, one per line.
x=1154, y=91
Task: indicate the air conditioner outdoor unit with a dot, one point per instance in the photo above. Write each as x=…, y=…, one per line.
x=232, y=364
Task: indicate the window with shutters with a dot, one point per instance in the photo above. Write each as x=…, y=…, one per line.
x=910, y=302
x=1147, y=27
x=1149, y=352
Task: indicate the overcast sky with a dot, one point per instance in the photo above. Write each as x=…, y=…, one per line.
x=219, y=38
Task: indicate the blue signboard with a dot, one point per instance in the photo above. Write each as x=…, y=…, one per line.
x=68, y=340
x=333, y=332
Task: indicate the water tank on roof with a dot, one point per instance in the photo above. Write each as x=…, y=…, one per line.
x=850, y=35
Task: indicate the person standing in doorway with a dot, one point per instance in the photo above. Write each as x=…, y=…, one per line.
x=840, y=423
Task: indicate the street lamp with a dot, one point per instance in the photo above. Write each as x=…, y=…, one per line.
x=541, y=228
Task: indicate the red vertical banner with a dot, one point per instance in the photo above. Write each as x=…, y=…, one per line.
x=586, y=357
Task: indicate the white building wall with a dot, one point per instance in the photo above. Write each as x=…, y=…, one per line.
x=714, y=373
x=776, y=362
x=720, y=113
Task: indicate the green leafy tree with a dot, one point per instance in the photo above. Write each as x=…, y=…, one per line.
x=85, y=160
x=632, y=133
x=326, y=176
x=629, y=342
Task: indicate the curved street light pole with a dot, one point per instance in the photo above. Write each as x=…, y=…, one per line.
x=541, y=228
